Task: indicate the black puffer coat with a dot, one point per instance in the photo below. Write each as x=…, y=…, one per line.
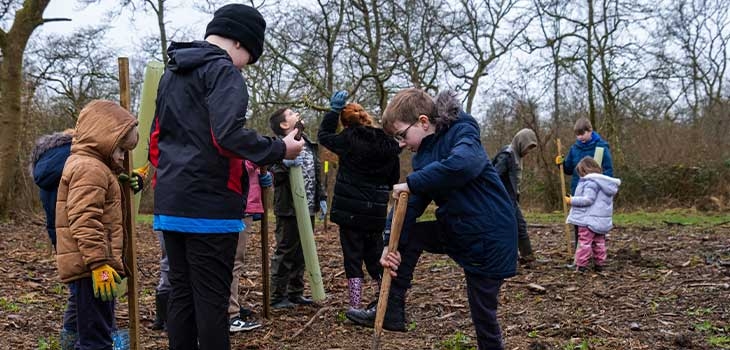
x=368, y=168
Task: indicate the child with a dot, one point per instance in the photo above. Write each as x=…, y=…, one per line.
x=369, y=167
x=508, y=164
x=591, y=211
x=237, y=314
x=287, y=263
x=197, y=143
x=89, y=220
x=475, y=221
x=588, y=143
x=47, y=159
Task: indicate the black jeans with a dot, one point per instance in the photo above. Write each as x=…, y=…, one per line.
x=483, y=292
x=201, y=271
x=361, y=246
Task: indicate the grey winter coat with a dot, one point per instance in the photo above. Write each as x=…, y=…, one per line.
x=592, y=205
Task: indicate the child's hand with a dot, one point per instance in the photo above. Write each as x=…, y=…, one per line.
x=398, y=188
x=293, y=162
x=338, y=100
x=559, y=159
x=293, y=146
x=136, y=181
x=266, y=180
x=391, y=261
x=566, y=199
x=104, y=280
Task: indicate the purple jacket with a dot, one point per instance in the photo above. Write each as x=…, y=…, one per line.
x=592, y=205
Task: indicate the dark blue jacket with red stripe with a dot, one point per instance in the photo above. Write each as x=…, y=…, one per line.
x=198, y=138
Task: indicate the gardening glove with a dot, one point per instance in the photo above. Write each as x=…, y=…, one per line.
x=293, y=162
x=136, y=181
x=566, y=199
x=266, y=180
x=323, y=209
x=338, y=100
x=559, y=160
x=104, y=282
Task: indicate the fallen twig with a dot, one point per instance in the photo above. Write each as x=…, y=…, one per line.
x=319, y=312
x=723, y=285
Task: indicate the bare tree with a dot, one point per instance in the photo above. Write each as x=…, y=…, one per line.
x=26, y=17
x=484, y=31
x=76, y=68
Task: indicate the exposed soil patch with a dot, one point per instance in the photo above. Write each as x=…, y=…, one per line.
x=666, y=288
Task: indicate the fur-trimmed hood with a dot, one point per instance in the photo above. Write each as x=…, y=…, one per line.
x=45, y=143
x=447, y=109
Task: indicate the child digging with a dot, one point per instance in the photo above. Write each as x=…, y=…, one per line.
x=89, y=221
x=591, y=212
x=475, y=220
x=368, y=168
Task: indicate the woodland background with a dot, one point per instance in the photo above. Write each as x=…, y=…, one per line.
x=651, y=76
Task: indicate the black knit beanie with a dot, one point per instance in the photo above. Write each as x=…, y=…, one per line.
x=241, y=23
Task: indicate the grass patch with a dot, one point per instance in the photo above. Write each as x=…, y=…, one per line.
x=458, y=341
x=641, y=218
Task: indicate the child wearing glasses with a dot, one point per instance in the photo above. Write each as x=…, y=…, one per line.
x=287, y=263
x=475, y=219
x=368, y=168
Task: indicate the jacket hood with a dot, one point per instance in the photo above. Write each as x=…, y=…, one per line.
x=523, y=140
x=188, y=56
x=608, y=185
x=45, y=143
x=447, y=109
x=100, y=128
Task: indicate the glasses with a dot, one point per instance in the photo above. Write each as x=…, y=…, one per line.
x=401, y=135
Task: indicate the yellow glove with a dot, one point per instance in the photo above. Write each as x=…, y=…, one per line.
x=104, y=282
x=566, y=199
x=559, y=159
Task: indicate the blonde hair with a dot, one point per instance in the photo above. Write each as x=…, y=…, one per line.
x=588, y=165
x=406, y=106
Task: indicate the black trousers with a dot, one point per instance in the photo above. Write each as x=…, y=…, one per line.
x=201, y=271
x=361, y=246
x=94, y=318
x=287, y=263
x=483, y=293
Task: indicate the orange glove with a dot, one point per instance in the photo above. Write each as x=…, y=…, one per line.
x=566, y=199
x=559, y=160
x=104, y=282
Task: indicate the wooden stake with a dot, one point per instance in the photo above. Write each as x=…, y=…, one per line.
x=265, y=279
x=130, y=250
x=395, y=228
x=568, y=236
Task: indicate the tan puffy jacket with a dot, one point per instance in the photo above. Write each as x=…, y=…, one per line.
x=89, y=220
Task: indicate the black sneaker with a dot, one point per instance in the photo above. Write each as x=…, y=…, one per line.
x=239, y=325
x=598, y=268
x=282, y=304
x=581, y=269
x=300, y=300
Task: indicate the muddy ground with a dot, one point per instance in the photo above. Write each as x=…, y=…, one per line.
x=664, y=288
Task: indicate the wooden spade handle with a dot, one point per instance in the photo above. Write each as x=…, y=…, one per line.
x=395, y=229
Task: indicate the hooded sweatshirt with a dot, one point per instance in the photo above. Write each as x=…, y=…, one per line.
x=89, y=208
x=508, y=161
x=592, y=205
x=198, y=140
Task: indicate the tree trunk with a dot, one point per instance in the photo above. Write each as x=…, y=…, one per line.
x=12, y=45
x=589, y=66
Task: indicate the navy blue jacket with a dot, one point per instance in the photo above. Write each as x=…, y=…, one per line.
x=48, y=158
x=588, y=149
x=198, y=137
x=452, y=169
